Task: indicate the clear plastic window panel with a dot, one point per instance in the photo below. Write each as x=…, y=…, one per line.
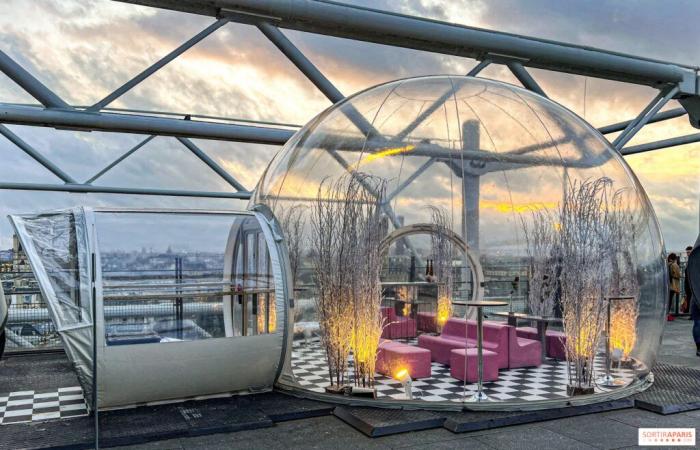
x=167, y=277
x=54, y=237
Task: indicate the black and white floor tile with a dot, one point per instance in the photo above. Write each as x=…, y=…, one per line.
x=34, y=406
x=545, y=382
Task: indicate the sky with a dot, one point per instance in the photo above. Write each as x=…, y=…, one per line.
x=84, y=49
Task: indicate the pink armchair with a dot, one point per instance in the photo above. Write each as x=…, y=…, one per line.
x=427, y=321
x=458, y=333
x=556, y=341
x=397, y=327
x=452, y=337
x=523, y=352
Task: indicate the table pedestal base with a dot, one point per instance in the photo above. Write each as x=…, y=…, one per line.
x=479, y=396
x=609, y=381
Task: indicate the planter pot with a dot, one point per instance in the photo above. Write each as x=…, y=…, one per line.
x=356, y=391
x=343, y=389
x=630, y=363
x=579, y=390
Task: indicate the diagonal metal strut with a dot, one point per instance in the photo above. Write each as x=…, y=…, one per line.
x=35, y=155
x=158, y=65
x=199, y=153
x=120, y=159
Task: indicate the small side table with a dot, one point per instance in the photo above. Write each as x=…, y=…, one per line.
x=479, y=395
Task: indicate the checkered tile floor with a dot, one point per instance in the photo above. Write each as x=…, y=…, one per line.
x=32, y=406
x=547, y=381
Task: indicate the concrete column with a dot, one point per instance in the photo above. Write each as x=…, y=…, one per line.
x=470, y=188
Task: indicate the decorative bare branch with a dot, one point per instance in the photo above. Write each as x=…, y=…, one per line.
x=543, y=262
x=443, y=253
x=293, y=222
x=346, y=232
x=583, y=253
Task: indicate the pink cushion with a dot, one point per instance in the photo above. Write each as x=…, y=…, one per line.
x=440, y=347
x=471, y=373
x=397, y=327
x=454, y=328
x=458, y=333
x=388, y=314
x=394, y=356
x=523, y=352
x=427, y=322
x=556, y=341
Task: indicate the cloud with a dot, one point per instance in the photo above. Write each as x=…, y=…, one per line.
x=85, y=49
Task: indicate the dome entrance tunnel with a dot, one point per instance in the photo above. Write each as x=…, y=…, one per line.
x=431, y=241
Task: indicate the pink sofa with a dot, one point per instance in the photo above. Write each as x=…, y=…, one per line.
x=523, y=352
x=427, y=321
x=397, y=327
x=471, y=372
x=556, y=341
x=496, y=339
x=393, y=356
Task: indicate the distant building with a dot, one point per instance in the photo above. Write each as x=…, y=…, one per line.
x=20, y=263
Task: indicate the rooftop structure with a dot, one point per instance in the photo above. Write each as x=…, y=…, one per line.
x=391, y=252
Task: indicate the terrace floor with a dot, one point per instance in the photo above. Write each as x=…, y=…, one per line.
x=545, y=382
x=606, y=430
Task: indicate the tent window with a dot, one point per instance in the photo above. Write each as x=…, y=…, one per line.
x=163, y=276
x=254, y=311
x=168, y=277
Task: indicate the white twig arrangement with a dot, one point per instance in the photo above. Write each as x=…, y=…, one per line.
x=581, y=254
x=293, y=223
x=346, y=232
x=443, y=252
x=543, y=262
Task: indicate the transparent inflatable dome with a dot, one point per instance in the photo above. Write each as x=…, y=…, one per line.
x=539, y=213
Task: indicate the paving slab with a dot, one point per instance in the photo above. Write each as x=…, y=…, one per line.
x=376, y=422
x=480, y=420
x=470, y=443
x=534, y=438
x=594, y=430
x=280, y=407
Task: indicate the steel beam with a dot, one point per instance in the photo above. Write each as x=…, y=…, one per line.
x=410, y=179
x=315, y=76
x=158, y=65
x=665, y=115
x=439, y=102
x=88, y=189
x=334, y=95
x=650, y=111
x=383, y=27
x=301, y=61
x=132, y=123
x=120, y=159
x=199, y=153
x=657, y=145
x=516, y=67
x=476, y=70
x=29, y=83
x=35, y=155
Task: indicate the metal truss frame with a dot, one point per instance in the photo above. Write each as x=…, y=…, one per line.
x=329, y=18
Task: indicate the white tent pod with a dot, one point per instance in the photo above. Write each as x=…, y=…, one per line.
x=219, y=277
